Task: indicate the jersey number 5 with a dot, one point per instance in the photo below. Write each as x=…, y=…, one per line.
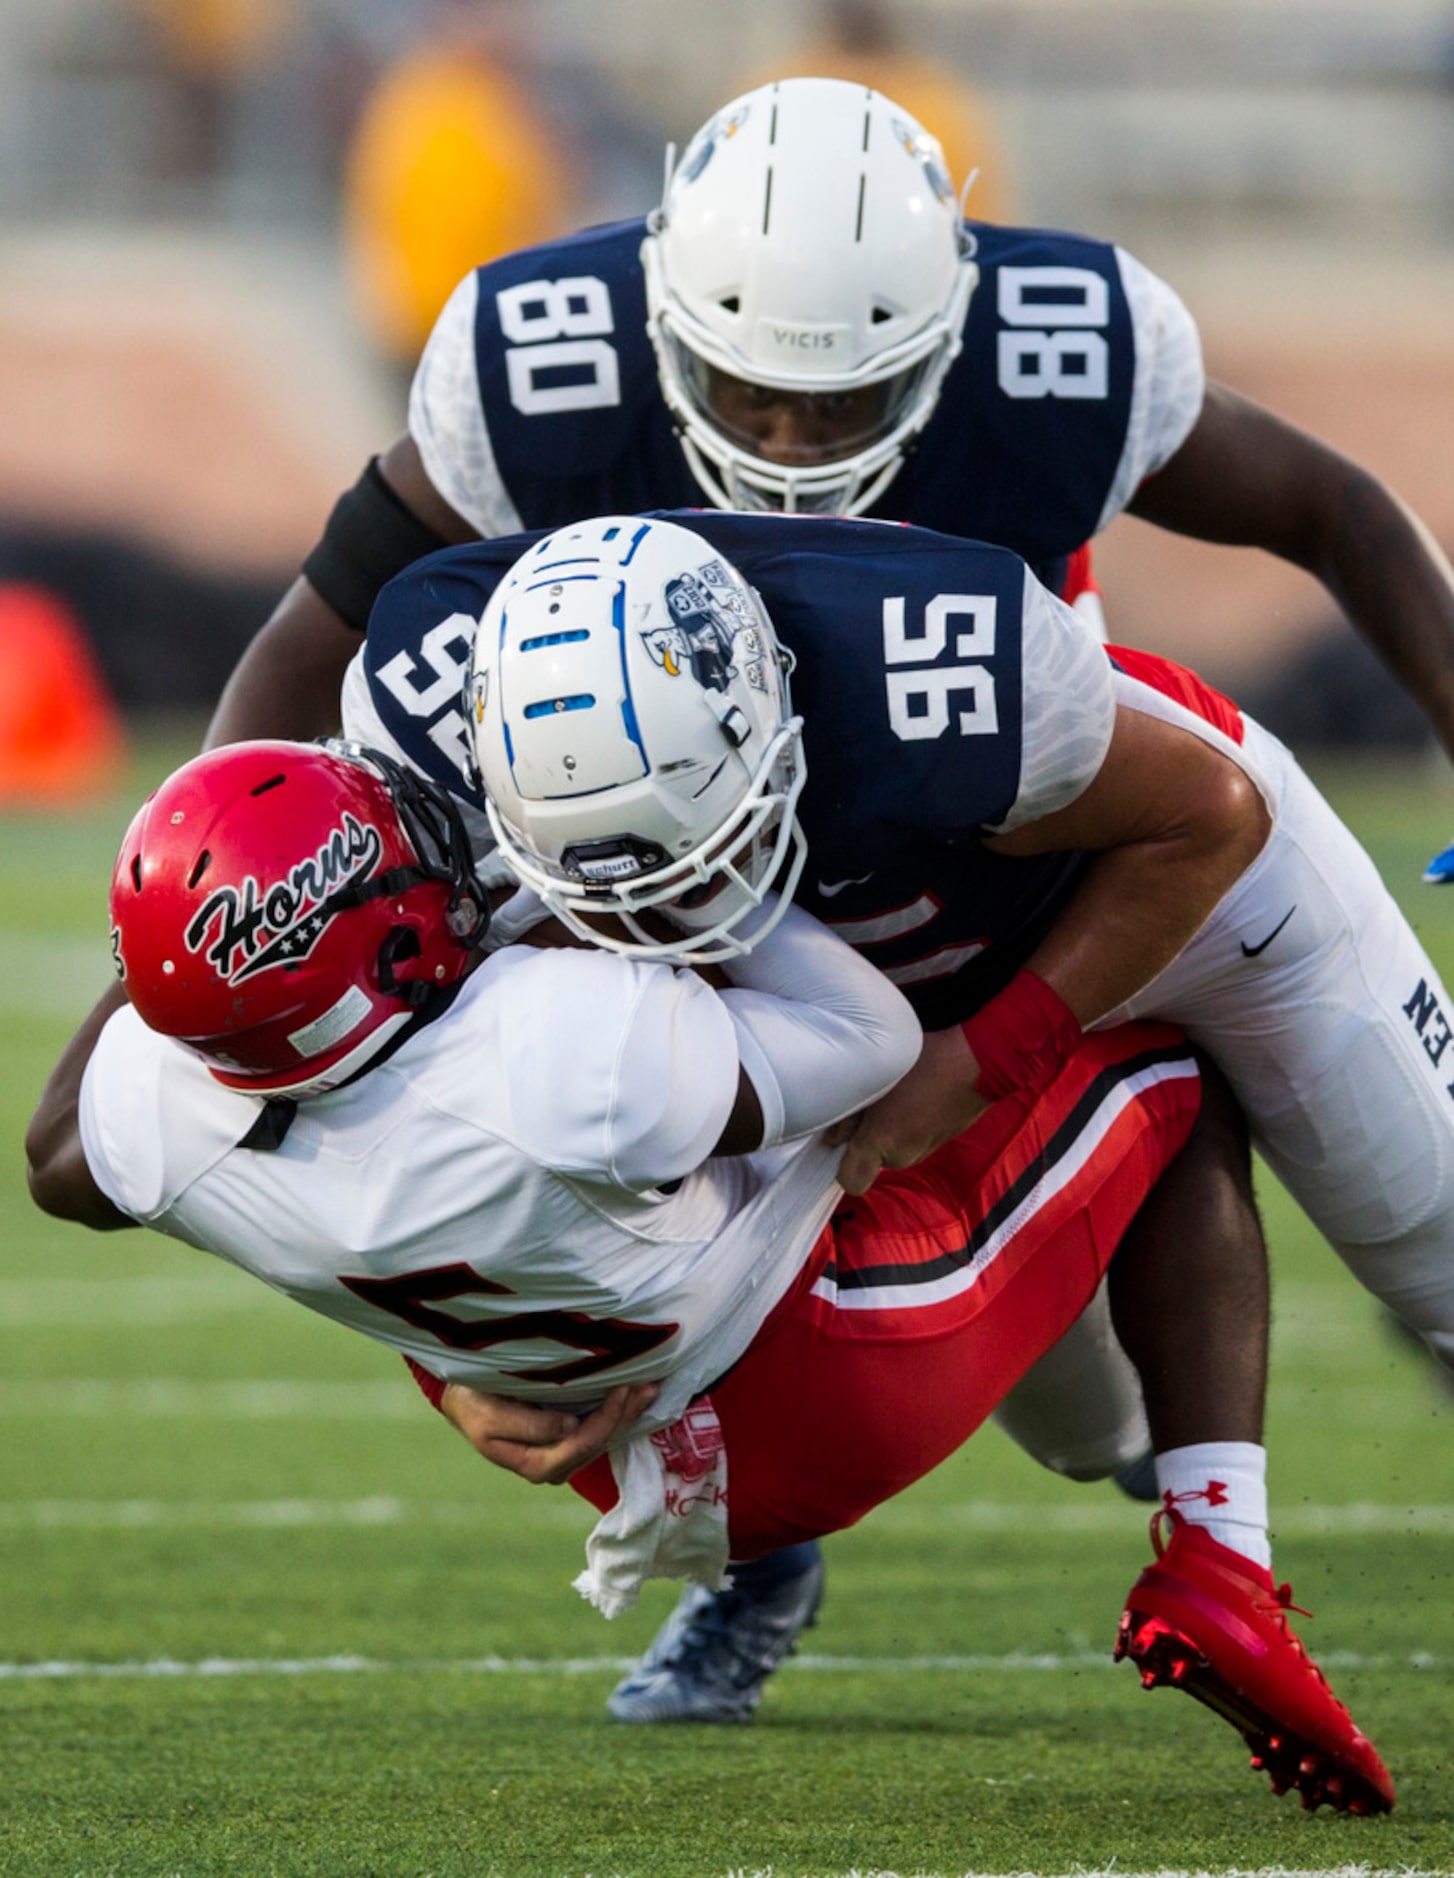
x=606, y=1341
x=919, y=698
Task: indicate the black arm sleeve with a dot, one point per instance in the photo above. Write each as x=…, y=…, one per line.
x=370, y=536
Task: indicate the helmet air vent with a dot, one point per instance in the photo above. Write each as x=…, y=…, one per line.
x=271, y=783
x=204, y=861
x=549, y=707
x=553, y=639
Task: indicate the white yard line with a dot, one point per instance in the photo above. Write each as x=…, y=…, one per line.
x=1013, y=1663
x=1107, y=1513
x=110, y=1398
x=1111, y=1514
x=163, y=1397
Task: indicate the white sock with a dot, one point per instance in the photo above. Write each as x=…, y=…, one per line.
x=1221, y=1485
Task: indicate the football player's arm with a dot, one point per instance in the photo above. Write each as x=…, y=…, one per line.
x=61, y=1182
x=1172, y=823
x=820, y=1032
x=287, y=682
x=542, y=1445
x=1248, y=478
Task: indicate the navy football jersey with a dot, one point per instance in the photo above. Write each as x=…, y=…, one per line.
x=911, y=652
x=537, y=401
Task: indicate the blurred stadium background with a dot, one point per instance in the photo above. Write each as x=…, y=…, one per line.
x=224, y=229
x=220, y=244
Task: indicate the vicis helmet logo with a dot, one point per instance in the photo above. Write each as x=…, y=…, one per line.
x=242, y=930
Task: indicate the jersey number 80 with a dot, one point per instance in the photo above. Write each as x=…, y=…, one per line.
x=559, y=359
x=1052, y=348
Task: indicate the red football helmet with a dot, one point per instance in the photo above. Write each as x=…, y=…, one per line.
x=284, y=909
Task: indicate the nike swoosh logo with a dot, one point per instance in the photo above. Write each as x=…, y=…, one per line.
x=827, y=888
x=1250, y=952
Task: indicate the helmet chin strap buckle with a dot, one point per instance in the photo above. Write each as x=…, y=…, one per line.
x=468, y=919
x=735, y=727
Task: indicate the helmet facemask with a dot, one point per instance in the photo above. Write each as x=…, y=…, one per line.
x=708, y=899
x=435, y=830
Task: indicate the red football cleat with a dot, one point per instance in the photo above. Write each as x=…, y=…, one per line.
x=1204, y=1619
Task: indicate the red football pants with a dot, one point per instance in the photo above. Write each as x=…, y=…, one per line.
x=927, y=1299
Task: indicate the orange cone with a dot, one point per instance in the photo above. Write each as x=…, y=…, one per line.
x=61, y=738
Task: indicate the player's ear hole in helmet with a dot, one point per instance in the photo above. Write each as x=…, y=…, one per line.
x=807, y=277
x=632, y=727
x=287, y=910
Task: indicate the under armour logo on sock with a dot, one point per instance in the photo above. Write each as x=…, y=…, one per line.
x=1214, y=1493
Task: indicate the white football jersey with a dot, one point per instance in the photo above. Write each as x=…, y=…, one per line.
x=518, y=1199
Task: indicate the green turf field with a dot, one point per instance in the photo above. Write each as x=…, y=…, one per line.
x=263, y=1613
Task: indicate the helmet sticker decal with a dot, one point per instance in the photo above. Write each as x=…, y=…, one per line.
x=714, y=635
x=246, y=929
x=704, y=144
x=923, y=148
x=334, y=1025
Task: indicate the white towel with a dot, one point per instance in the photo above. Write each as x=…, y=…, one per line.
x=670, y=1519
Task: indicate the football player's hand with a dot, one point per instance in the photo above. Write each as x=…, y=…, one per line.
x=935, y=1102
x=542, y=1445
x=1440, y=871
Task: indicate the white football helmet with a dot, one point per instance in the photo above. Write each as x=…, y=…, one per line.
x=810, y=243
x=630, y=719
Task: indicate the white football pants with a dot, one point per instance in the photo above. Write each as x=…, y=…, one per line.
x=1309, y=989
